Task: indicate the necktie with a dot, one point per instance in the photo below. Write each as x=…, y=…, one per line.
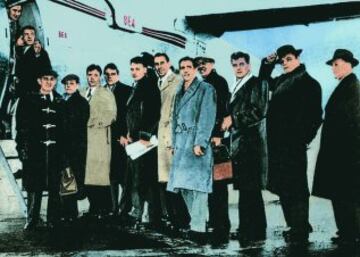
x=88, y=95
x=159, y=83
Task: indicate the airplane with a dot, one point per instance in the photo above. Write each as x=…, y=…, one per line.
x=77, y=33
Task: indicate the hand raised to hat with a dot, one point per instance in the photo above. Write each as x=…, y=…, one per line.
x=271, y=58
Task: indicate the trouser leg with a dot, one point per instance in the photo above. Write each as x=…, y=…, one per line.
x=33, y=207
x=114, y=197
x=296, y=212
x=53, y=208
x=219, y=207
x=252, y=219
x=137, y=190
x=196, y=203
x=69, y=206
x=345, y=213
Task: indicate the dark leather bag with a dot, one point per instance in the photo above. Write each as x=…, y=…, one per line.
x=68, y=185
x=222, y=163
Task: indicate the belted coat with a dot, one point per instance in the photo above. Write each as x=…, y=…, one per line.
x=193, y=121
x=102, y=115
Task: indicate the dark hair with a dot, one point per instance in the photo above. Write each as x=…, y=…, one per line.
x=162, y=54
x=237, y=55
x=187, y=58
x=111, y=66
x=138, y=60
x=148, y=59
x=92, y=67
x=27, y=27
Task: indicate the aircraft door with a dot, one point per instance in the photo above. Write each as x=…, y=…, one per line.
x=4, y=49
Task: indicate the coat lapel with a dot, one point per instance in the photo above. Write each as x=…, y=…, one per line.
x=168, y=82
x=181, y=101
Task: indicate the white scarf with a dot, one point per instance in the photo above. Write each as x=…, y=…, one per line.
x=238, y=84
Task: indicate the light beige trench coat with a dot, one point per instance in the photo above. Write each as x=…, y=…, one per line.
x=168, y=90
x=102, y=115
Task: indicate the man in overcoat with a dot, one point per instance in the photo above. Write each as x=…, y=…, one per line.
x=31, y=59
x=219, y=220
x=142, y=118
x=294, y=116
x=193, y=121
x=76, y=116
x=172, y=205
x=338, y=164
x=248, y=106
x=118, y=138
x=40, y=145
x=102, y=115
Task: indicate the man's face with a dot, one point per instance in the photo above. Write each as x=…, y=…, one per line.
x=29, y=37
x=111, y=76
x=93, y=78
x=138, y=71
x=205, y=68
x=161, y=65
x=187, y=71
x=240, y=67
x=289, y=63
x=47, y=83
x=15, y=12
x=340, y=68
x=71, y=86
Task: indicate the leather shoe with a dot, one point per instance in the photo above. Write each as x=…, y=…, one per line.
x=29, y=226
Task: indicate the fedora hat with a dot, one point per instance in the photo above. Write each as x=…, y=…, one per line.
x=345, y=55
x=287, y=49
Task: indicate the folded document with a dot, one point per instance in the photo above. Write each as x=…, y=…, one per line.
x=137, y=149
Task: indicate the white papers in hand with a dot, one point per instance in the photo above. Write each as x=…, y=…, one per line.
x=137, y=149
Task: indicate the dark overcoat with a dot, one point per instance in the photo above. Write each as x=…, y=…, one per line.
x=77, y=112
x=294, y=116
x=28, y=66
x=337, y=173
x=193, y=122
x=222, y=100
x=142, y=119
x=119, y=128
x=40, y=141
x=249, y=149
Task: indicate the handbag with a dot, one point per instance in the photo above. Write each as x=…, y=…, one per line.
x=222, y=163
x=68, y=185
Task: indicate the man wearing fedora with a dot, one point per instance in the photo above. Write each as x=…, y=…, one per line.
x=338, y=164
x=219, y=220
x=294, y=116
x=40, y=144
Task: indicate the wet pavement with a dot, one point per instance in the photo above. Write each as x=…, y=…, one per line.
x=90, y=239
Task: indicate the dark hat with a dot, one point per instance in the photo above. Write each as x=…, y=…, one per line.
x=47, y=72
x=70, y=77
x=12, y=3
x=287, y=49
x=345, y=55
x=204, y=59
